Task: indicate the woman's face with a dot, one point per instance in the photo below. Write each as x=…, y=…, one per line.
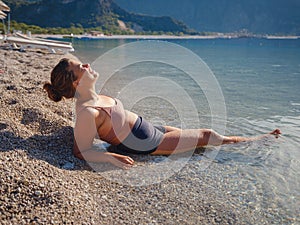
x=78, y=68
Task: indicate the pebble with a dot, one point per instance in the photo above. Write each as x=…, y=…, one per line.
x=69, y=166
x=38, y=193
x=103, y=214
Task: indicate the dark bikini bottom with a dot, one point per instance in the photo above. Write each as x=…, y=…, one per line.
x=143, y=139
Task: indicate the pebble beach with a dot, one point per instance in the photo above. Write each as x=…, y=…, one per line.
x=41, y=182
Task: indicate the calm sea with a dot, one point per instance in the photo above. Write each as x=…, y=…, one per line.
x=260, y=81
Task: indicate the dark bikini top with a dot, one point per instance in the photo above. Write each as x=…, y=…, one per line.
x=118, y=118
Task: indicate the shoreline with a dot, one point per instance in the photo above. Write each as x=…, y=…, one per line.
x=164, y=37
x=43, y=183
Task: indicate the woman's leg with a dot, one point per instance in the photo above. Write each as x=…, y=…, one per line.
x=169, y=129
x=186, y=140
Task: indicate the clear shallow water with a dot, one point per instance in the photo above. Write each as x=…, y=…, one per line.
x=260, y=80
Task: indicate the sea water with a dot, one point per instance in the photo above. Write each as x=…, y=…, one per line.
x=260, y=81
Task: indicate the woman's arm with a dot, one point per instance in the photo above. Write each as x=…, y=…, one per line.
x=92, y=155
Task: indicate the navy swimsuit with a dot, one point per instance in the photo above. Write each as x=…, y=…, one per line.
x=144, y=138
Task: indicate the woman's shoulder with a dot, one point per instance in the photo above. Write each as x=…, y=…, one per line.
x=86, y=111
x=106, y=101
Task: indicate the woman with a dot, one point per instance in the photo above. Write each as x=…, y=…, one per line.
x=105, y=117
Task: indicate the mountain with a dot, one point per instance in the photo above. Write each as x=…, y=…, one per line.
x=89, y=13
x=257, y=16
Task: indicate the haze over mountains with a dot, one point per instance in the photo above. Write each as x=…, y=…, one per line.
x=256, y=16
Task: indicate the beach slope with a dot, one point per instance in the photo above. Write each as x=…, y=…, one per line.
x=42, y=183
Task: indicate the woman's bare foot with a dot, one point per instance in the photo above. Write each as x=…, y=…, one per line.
x=237, y=139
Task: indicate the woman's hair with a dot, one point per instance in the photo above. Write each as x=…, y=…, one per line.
x=61, y=82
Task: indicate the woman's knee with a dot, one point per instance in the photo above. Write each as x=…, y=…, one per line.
x=212, y=136
x=208, y=132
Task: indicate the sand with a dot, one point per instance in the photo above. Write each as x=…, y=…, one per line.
x=41, y=182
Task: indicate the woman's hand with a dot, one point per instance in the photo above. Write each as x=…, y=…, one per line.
x=122, y=161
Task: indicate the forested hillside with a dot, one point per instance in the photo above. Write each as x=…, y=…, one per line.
x=105, y=14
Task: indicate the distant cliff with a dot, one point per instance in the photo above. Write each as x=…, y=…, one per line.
x=89, y=13
x=257, y=16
